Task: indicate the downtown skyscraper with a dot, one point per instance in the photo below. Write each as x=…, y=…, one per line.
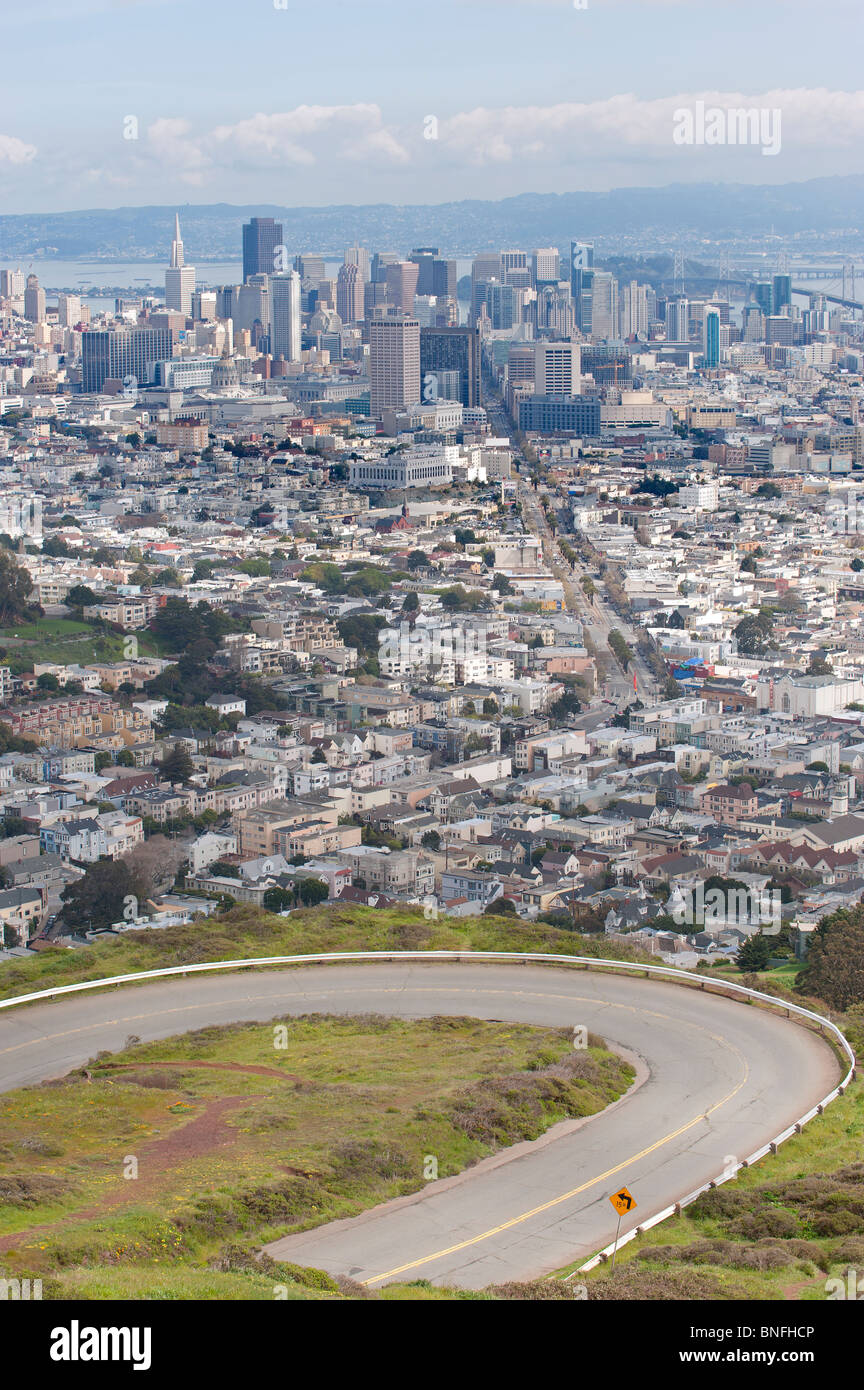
x=261, y=236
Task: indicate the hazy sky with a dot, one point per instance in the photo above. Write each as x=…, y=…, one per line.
x=331, y=101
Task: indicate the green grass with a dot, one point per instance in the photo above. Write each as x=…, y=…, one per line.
x=343, y=1116
x=249, y=932
x=66, y=642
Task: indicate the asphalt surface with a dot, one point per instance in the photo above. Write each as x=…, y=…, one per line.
x=718, y=1079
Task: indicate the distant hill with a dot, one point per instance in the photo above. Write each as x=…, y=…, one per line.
x=639, y=216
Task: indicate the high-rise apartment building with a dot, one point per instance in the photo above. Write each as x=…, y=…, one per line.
x=121, y=353
x=764, y=296
x=781, y=296
x=502, y=305
x=711, y=337
x=310, y=267
x=545, y=266
x=582, y=285
x=513, y=260
x=401, y=279
x=436, y=276
x=349, y=294
x=285, y=321
x=34, y=300
x=483, y=269
x=261, y=236
x=450, y=350
x=380, y=262
x=677, y=321
x=179, y=277
x=68, y=310
x=394, y=361
x=204, y=305
x=635, y=314
x=605, y=318
x=12, y=284
x=557, y=369
x=359, y=256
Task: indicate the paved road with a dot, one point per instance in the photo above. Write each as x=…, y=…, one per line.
x=722, y=1079
x=597, y=615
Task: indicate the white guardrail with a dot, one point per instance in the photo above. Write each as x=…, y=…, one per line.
x=725, y=987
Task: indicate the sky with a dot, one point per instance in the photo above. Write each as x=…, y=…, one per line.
x=112, y=103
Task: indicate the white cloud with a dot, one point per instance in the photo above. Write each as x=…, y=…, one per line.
x=812, y=118
x=14, y=151
x=300, y=138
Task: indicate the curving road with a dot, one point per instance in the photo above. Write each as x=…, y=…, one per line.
x=717, y=1080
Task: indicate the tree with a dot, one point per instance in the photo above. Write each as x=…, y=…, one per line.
x=753, y=633
x=102, y=760
x=490, y=705
x=835, y=960
x=177, y=765
x=156, y=862
x=312, y=891
x=818, y=666
x=319, y=756
x=278, y=899
x=417, y=560
x=501, y=584
x=768, y=490
x=431, y=840
x=857, y=565
x=411, y=603
x=99, y=898
x=754, y=953
x=15, y=589
x=47, y=681
x=125, y=758
x=501, y=907
x=80, y=596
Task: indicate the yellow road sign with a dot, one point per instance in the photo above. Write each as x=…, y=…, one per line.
x=623, y=1201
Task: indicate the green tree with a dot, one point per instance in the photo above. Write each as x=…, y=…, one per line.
x=501, y=907
x=15, y=589
x=834, y=970
x=431, y=840
x=278, y=899
x=177, y=765
x=754, y=953
x=312, y=891
x=80, y=596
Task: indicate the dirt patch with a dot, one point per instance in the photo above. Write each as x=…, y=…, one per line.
x=204, y=1136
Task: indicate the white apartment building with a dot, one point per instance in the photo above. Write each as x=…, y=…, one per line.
x=557, y=369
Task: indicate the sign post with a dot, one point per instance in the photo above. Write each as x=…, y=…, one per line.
x=623, y=1201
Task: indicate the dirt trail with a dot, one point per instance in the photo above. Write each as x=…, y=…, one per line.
x=205, y=1135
